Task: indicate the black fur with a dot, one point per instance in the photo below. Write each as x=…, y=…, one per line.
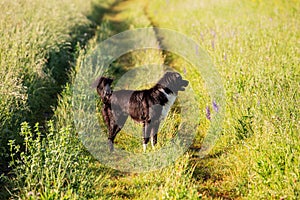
x=143, y=106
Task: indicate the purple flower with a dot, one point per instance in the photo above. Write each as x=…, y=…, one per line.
x=215, y=106
x=213, y=44
x=213, y=33
x=159, y=45
x=208, y=113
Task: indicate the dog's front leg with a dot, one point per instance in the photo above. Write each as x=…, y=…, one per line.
x=155, y=112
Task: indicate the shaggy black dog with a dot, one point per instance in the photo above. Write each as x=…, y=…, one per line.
x=148, y=106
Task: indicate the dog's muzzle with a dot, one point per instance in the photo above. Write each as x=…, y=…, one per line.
x=184, y=84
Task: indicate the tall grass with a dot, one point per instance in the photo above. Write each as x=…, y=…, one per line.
x=54, y=164
x=39, y=43
x=36, y=40
x=254, y=46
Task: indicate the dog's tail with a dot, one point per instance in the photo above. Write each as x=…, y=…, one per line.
x=103, y=87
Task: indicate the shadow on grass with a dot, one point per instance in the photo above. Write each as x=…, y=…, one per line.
x=116, y=25
x=209, y=174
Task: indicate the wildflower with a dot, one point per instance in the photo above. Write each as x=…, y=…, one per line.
x=213, y=44
x=159, y=45
x=213, y=33
x=208, y=113
x=215, y=106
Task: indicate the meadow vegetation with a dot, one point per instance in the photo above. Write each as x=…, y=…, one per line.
x=38, y=46
x=253, y=44
x=40, y=42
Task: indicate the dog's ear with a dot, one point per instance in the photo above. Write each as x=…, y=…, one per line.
x=110, y=80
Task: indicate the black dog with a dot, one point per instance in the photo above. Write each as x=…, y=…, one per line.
x=148, y=106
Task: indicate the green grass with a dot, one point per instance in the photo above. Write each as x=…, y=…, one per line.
x=37, y=48
x=254, y=46
x=39, y=44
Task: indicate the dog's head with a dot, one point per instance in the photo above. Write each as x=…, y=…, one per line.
x=173, y=81
x=104, y=88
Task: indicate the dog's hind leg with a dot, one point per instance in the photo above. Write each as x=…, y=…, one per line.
x=110, y=123
x=112, y=135
x=146, y=135
x=116, y=126
x=106, y=113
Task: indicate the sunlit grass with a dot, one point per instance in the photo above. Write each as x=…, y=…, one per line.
x=254, y=46
x=35, y=50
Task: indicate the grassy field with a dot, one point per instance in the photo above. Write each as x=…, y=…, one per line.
x=38, y=46
x=253, y=44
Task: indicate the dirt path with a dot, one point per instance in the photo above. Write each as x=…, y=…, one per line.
x=123, y=16
x=130, y=15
